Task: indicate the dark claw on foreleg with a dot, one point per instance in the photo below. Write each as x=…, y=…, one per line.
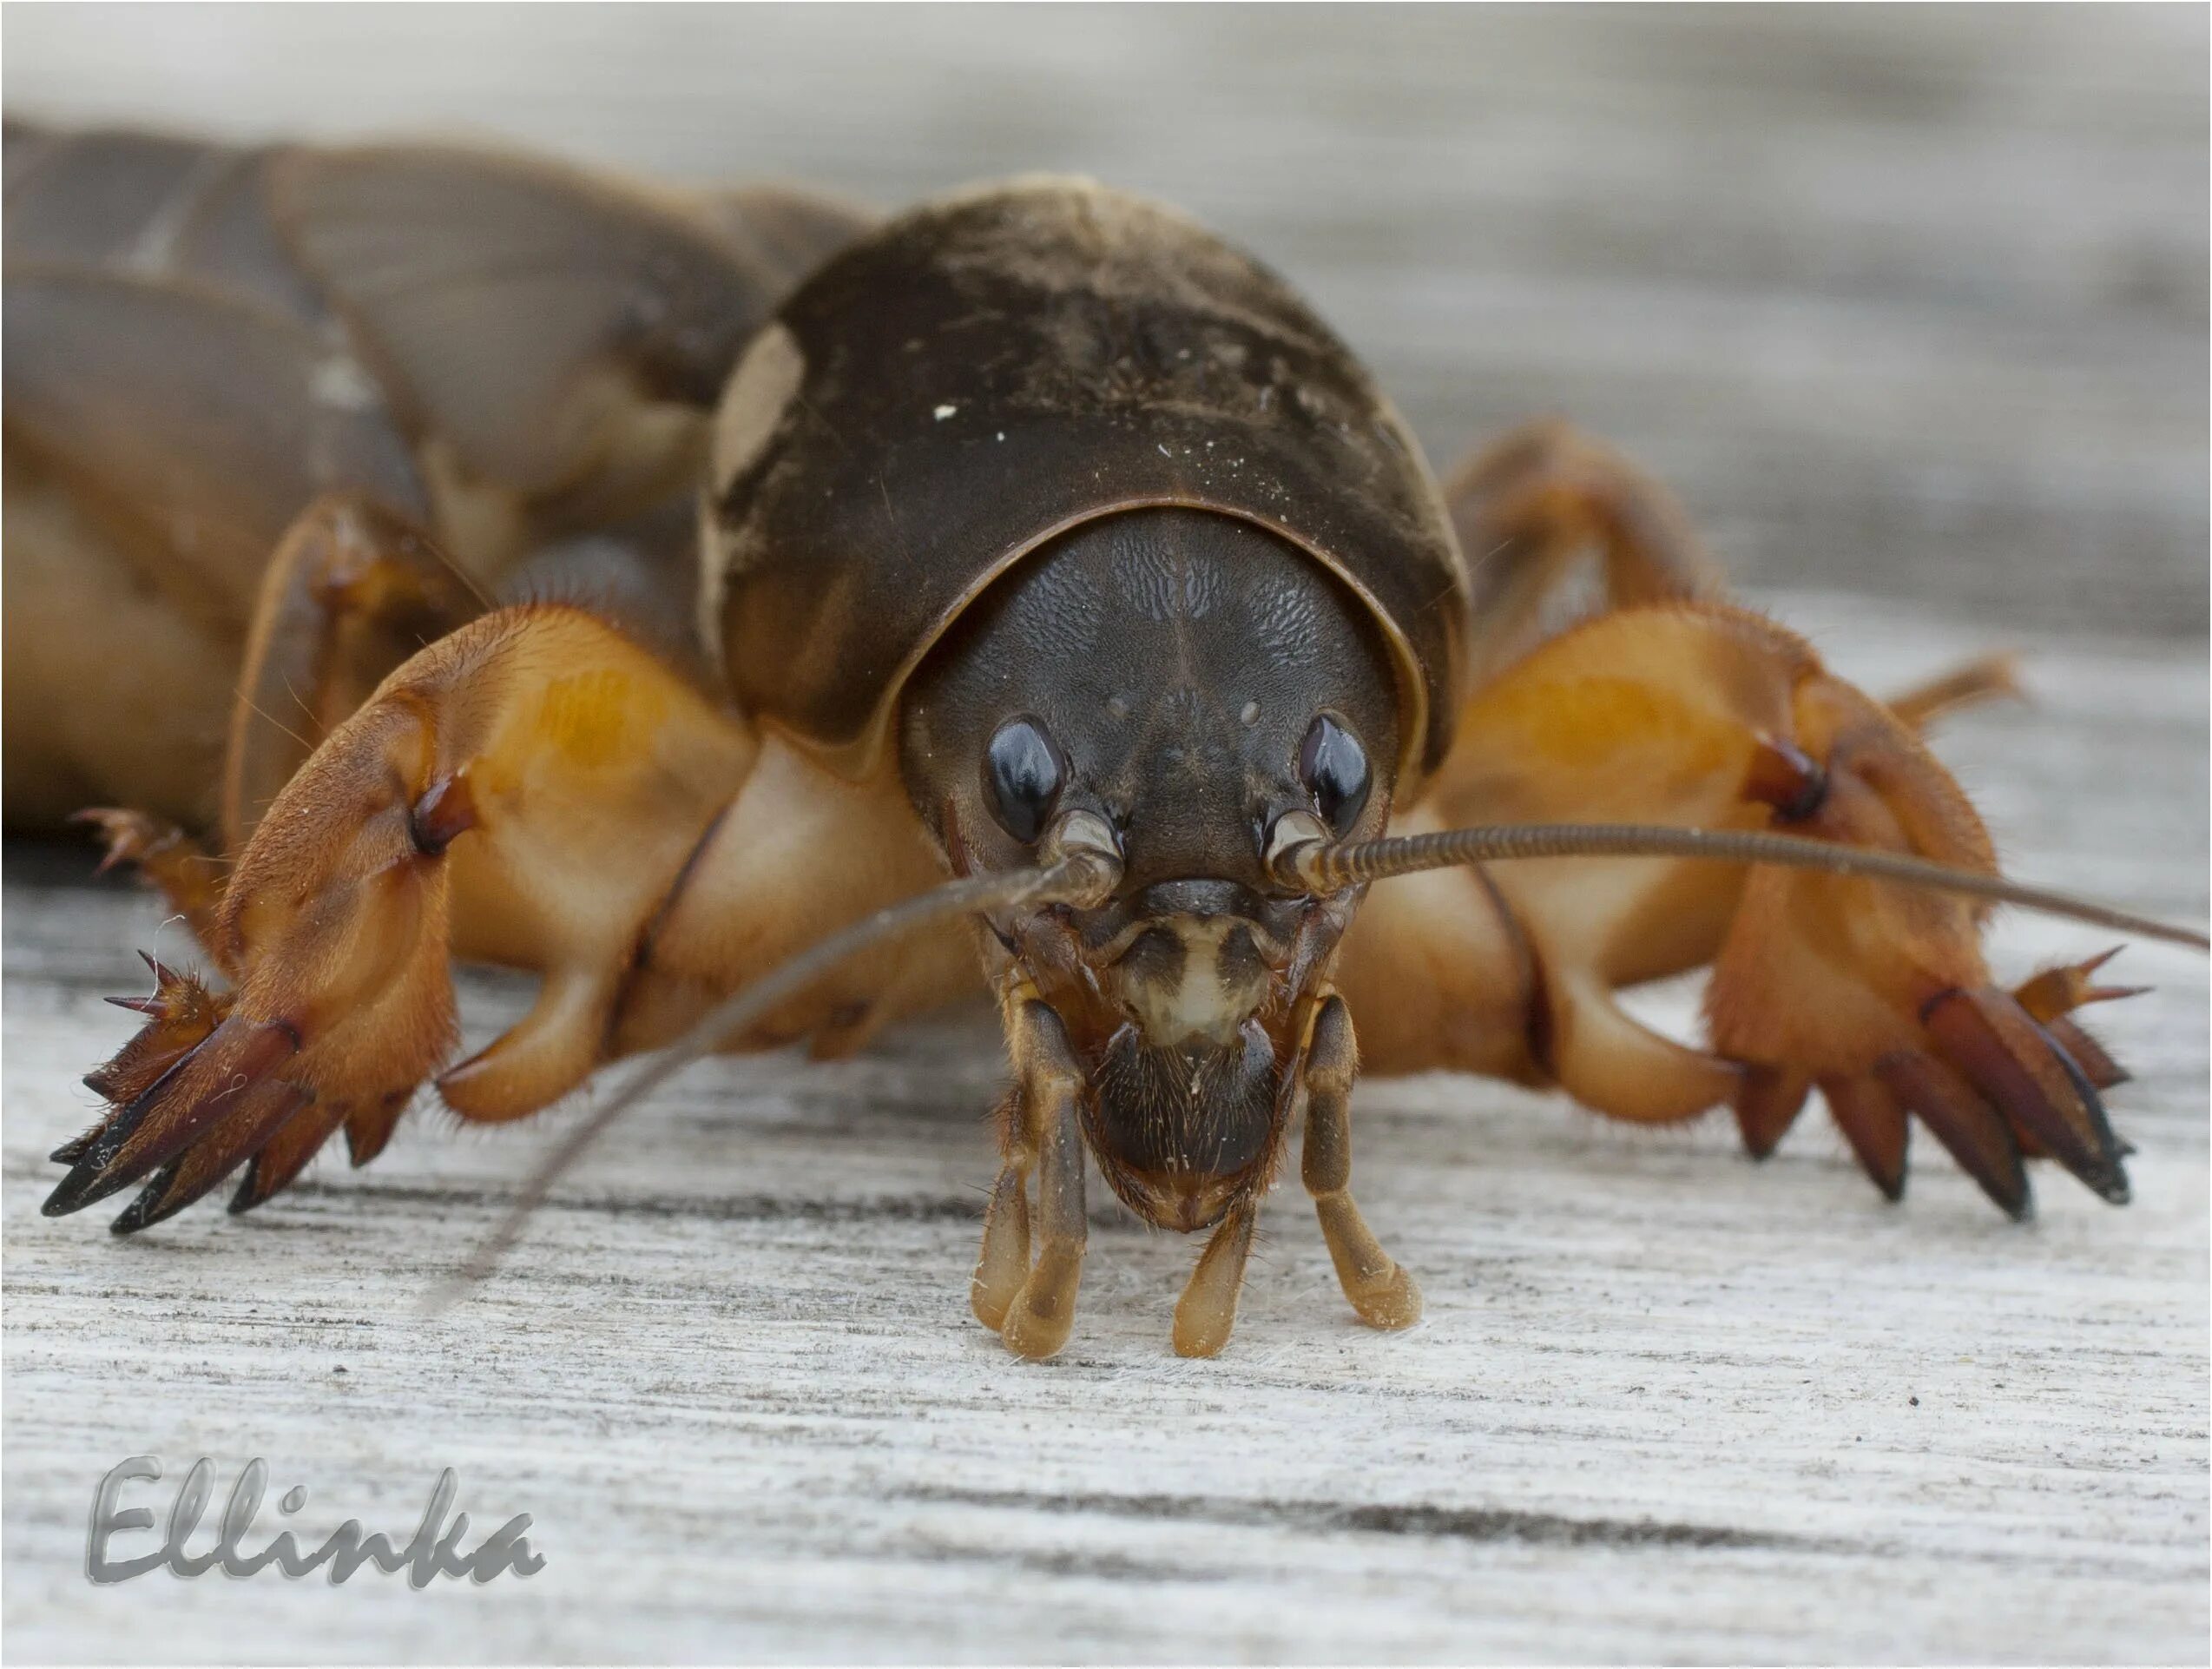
x=220, y=1099
x=1977, y=1135
x=254, y=1115
x=297, y=1140
x=368, y=1127
x=2001, y=1078
x=181, y=1015
x=2051, y=998
x=1875, y=1125
x=2021, y=1071
x=1767, y=1104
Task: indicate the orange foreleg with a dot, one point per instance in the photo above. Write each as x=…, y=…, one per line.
x=1703, y=714
x=527, y=789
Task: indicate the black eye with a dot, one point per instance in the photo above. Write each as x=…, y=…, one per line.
x=1022, y=772
x=1334, y=767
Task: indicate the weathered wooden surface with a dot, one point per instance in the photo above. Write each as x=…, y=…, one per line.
x=1912, y=306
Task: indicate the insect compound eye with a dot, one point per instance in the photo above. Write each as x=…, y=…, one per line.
x=1023, y=774
x=1334, y=767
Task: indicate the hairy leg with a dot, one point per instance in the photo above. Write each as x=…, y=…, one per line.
x=1700, y=715
x=797, y=856
x=1004, y=1262
x=1527, y=507
x=189, y=877
x=1032, y=1306
x=352, y=590
x=1382, y=1292
x=533, y=788
x=1205, y=1313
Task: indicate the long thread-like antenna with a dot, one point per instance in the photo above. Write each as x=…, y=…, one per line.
x=1082, y=874
x=1326, y=869
x=1086, y=870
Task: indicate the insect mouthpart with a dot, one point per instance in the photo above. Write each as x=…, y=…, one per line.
x=1182, y=1132
x=1196, y=964
x=1186, y=1013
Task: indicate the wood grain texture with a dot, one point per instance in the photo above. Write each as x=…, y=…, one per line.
x=1911, y=304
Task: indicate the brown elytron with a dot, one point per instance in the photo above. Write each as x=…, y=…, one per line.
x=649, y=590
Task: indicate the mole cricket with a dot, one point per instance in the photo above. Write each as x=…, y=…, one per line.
x=758, y=618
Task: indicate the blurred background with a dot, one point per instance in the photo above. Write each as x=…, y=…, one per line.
x=1905, y=300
